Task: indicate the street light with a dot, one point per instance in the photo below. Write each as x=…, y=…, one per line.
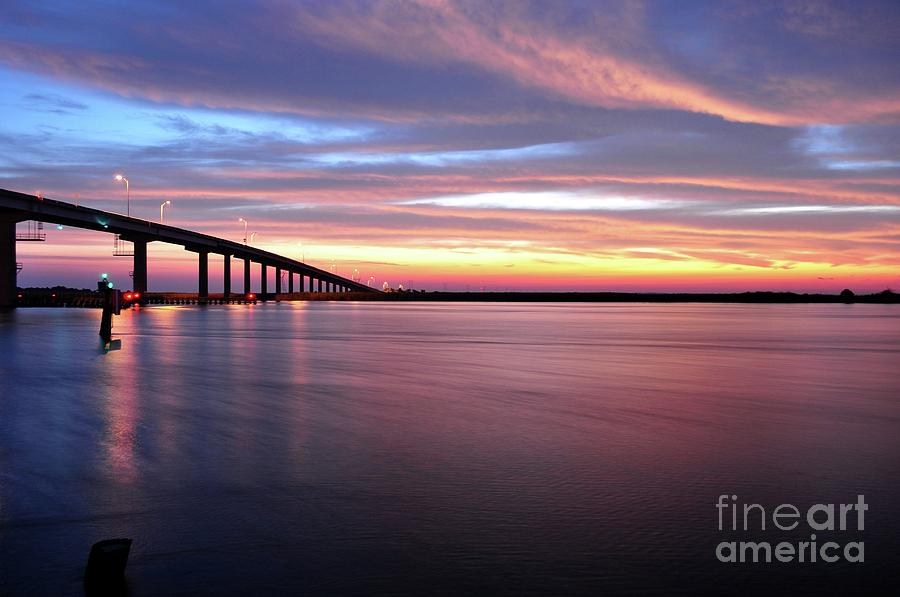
x=162, y=206
x=245, y=228
x=120, y=178
x=252, y=236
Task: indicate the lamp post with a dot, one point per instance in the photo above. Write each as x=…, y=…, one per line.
x=252, y=236
x=245, y=228
x=120, y=178
x=162, y=206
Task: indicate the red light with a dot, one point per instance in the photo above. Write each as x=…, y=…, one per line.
x=251, y=296
x=128, y=296
x=137, y=295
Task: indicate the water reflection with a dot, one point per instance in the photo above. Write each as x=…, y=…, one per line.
x=354, y=448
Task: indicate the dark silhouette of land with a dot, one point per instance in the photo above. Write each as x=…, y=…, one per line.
x=886, y=296
x=71, y=297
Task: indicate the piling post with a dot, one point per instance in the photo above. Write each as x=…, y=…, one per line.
x=203, y=272
x=7, y=261
x=226, y=277
x=140, y=265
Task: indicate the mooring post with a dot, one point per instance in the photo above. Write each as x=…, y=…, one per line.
x=105, y=570
x=111, y=306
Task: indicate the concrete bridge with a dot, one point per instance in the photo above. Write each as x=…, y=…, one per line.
x=18, y=207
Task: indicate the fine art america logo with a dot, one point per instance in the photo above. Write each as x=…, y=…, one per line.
x=822, y=518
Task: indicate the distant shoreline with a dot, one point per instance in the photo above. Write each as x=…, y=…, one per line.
x=885, y=297
x=50, y=297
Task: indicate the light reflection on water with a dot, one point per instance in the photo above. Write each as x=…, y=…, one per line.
x=410, y=448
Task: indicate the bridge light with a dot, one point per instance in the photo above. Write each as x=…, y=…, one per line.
x=104, y=276
x=109, y=284
x=59, y=226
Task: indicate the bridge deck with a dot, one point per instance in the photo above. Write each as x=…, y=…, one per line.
x=17, y=207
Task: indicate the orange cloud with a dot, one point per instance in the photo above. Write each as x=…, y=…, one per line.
x=585, y=71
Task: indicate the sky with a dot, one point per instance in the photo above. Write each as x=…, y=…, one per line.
x=646, y=146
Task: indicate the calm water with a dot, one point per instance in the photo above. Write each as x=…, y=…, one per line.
x=442, y=448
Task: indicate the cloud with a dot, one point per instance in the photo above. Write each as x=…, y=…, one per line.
x=648, y=137
x=467, y=61
x=52, y=103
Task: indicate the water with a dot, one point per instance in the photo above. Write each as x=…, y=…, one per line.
x=335, y=448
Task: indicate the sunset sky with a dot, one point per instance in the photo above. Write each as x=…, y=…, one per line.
x=662, y=146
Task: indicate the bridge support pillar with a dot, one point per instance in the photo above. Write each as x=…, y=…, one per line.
x=226, y=277
x=318, y=285
x=263, y=280
x=290, y=282
x=301, y=283
x=203, y=273
x=247, y=275
x=7, y=262
x=277, y=280
x=140, y=266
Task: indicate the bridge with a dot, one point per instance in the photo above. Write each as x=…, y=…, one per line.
x=19, y=207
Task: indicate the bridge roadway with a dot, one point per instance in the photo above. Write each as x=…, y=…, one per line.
x=18, y=207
